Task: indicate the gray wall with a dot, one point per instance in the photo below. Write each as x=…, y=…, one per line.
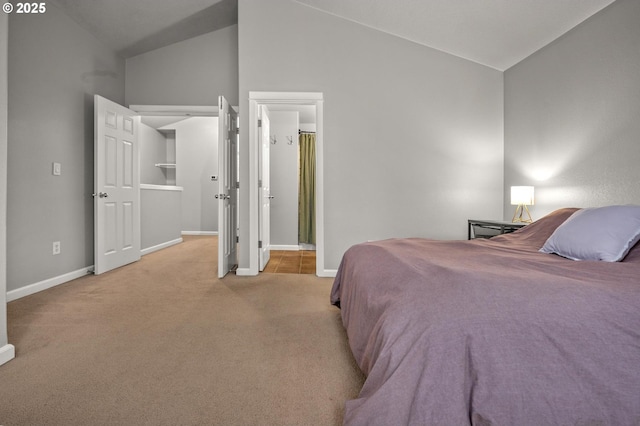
x=55, y=68
x=153, y=150
x=572, y=115
x=284, y=178
x=161, y=216
x=191, y=72
x=196, y=162
x=413, y=136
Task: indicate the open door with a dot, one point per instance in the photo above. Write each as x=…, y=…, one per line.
x=264, y=188
x=117, y=186
x=227, y=187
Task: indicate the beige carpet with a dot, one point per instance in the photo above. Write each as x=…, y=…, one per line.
x=164, y=342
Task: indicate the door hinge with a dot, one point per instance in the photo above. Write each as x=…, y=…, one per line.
x=259, y=123
x=259, y=244
x=237, y=185
x=237, y=130
x=237, y=238
x=259, y=183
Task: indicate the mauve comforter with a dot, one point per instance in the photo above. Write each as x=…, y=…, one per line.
x=491, y=332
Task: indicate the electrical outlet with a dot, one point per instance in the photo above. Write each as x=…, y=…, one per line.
x=56, y=247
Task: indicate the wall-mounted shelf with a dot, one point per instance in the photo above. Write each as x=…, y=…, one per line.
x=166, y=165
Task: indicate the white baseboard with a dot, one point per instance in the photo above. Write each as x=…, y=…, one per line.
x=160, y=246
x=43, y=285
x=245, y=272
x=285, y=247
x=328, y=273
x=7, y=353
x=199, y=232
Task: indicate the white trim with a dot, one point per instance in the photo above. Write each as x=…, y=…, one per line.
x=7, y=353
x=199, y=232
x=43, y=285
x=256, y=99
x=328, y=273
x=254, y=213
x=6, y=350
x=160, y=246
x=160, y=187
x=168, y=110
x=285, y=247
x=245, y=272
x=320, y=187
x=187, y=110
x=298, y=98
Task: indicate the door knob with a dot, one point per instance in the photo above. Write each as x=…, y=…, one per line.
x=100, y=194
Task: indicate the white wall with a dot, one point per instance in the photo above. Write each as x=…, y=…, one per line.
x=284, y=179
x=196, y=162
x=191, y=72
x=413, y=137
x=572, y=115
x=55, y=68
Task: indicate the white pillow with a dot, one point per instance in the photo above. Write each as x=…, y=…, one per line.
x=602, y=233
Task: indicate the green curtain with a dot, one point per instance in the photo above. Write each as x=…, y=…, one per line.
x=307, y=189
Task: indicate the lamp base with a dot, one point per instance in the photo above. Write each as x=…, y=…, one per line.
x=519, y=215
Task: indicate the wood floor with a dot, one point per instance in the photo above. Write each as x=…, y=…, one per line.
x=292, y=262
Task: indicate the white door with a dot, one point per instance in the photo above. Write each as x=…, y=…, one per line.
x=227, y=187
x=117, y=186
x=264, y=188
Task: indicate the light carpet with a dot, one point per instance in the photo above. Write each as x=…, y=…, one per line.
x=164, y=342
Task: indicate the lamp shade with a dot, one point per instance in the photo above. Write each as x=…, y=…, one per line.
x=522, y=195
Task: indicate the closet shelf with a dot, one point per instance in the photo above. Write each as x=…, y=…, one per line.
x=166, y=165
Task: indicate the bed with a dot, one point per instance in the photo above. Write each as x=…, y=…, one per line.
x=491, y=332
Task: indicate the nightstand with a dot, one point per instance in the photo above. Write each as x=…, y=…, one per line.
x=491, y=228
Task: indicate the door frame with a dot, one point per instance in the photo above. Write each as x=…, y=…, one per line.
x=264, y=188
x=187, y=111
x=256, y=100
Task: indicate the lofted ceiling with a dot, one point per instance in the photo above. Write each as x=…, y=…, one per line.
x=495, y=33
x=132, y=27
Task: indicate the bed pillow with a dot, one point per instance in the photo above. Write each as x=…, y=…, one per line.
x=602, y=233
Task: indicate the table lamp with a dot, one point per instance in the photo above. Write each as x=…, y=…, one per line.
x=522, y=196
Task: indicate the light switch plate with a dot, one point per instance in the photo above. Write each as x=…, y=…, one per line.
x=57, y=169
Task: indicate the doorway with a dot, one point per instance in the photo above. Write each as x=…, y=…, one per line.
x=280, y=100
x=178, y=172
x=292, y=176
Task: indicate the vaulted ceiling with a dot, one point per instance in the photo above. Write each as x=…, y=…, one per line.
x=132, y=27
x=495, y=33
